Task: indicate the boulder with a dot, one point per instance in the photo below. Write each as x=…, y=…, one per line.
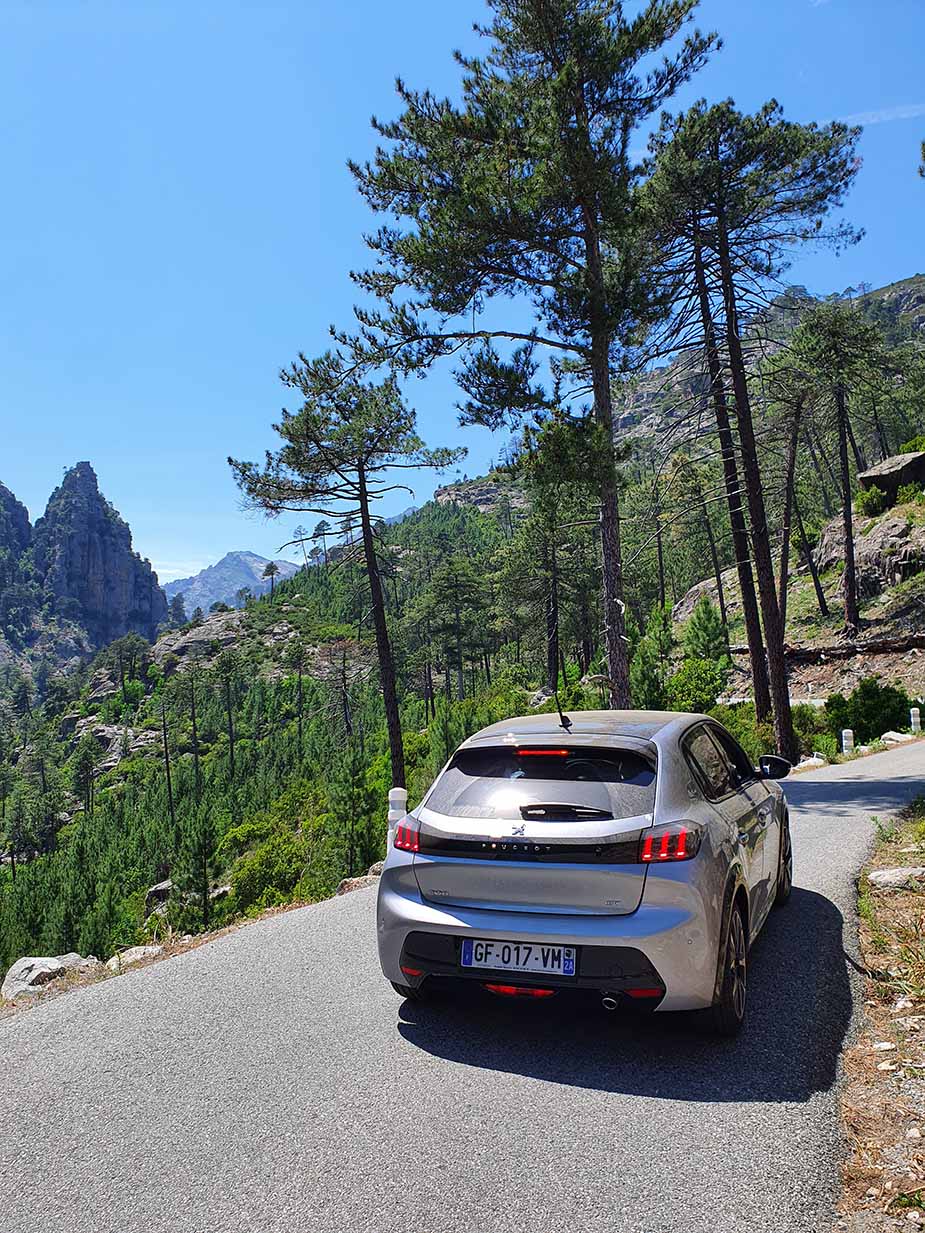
x=157, y=895
x=896, y=738
x=352, y=884
x=135, y=954
x=27, y=975
x=897, y=879
x=891, y=474
x=375, y=871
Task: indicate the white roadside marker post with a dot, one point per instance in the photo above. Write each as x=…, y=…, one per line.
x=847, y=741
x=398, y=807
x=915, y=720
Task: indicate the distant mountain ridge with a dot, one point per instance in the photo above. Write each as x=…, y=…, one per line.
x=221, y=582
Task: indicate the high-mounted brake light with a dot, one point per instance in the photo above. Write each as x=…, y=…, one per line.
x=543, y=753
x=408, y=835
x=677, y=841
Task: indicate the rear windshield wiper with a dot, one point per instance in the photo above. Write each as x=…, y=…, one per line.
x=562, y=813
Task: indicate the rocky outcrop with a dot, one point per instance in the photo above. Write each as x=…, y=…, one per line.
x=886, y=552
x=134, y=955
x=201, y=642
x=15, y=528
x=29, y=974
x=893, y=473
x=83, y=554
x=487, y=494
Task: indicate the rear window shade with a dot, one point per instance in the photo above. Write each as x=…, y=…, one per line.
x=571, y=783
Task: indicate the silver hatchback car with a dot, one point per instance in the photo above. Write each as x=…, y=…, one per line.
x=635, y=854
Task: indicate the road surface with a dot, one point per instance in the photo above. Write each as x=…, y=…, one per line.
x=271, y=1080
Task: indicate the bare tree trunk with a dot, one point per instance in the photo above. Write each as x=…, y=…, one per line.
x=195, y=733
x=789, y=482
x=882, y=439
x=823, y=489
x=810, y=563
x=383, y=645
x=761, y=548
x=733, y=497
x=852, y=616
x=661, y=561
x=552, y=620
x=173, y=816
x=858, y=453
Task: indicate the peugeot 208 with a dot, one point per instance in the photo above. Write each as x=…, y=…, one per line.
x=633, y=853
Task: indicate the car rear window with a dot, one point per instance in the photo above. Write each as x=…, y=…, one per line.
x=574, y=783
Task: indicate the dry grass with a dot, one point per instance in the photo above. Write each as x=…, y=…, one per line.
x=883, y=1099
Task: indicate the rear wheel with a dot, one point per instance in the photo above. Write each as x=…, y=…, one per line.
x=412, y=995
x=728, y=1011
x=785, y=872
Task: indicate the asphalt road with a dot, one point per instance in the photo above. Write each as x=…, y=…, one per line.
x=271, y=1080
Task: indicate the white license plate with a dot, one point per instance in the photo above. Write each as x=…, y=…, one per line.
x=518, y=957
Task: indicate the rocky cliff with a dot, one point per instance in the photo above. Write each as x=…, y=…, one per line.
x=82, y=553
x=15, y=528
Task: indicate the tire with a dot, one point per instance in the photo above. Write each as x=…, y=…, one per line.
x=728, y=1011
x=785, y=870
x=411, y=995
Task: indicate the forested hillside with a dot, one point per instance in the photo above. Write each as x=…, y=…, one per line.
x=678, y=418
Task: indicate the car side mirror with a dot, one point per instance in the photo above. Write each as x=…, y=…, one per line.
x=773, y=767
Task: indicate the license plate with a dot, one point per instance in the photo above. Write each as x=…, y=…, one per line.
x=518, y=957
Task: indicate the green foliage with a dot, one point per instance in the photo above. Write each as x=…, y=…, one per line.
x=267, y=875
x=914, y=445
x=704, y=634
x=755, y=738
x=870, y=501
x=696, y=685
x=650, y=666
x=869, y=710
x=909, y=493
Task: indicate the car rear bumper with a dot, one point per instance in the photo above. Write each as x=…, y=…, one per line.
x=665, y=943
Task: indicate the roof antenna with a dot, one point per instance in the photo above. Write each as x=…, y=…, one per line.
x=564, y=721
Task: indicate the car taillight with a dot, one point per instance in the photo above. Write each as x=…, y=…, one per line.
x=408, y=835
x=519, y=991
x=676, y=841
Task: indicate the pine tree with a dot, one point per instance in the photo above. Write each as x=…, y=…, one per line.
x=705, y=634
x=526, y=192
x=338, y=450
x=270, y=570
x=177, y=611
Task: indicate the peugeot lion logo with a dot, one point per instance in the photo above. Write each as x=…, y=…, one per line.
x=519, y=830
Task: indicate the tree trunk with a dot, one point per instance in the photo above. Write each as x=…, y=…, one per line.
x=383, y=645
x=789, y=482
x=823, y=490
x=300, y=703
x=855, y=449
x=810, y=563
x=852, y=617
x=660, y=557
x=195, y=733
x=552, y=621
x=733, y=497
x=173, y=816
x=229, y=719
x=717, y=570
x=882, y=439
x=761, y=548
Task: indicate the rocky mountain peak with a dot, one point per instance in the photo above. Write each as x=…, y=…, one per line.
x=82, y=550
x=15, y=528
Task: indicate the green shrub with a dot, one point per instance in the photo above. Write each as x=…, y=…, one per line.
x=914, y=445
x=810, y=725
x=870, y=502
x=696, y=685
x=755, y=738
x=869, y=710
x=909, y=493
x=268, y=874
x=704, y=634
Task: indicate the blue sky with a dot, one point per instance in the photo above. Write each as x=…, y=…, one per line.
x=178, y=221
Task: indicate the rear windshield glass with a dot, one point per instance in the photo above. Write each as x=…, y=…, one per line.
x=517, y=783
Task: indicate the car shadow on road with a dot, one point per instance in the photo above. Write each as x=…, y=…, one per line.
x=799, y=1011
x=840, y=797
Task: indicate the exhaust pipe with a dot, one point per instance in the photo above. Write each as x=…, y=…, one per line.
x=609, y=1002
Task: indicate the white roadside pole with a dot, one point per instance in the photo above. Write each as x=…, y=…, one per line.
x=398, y=807
x=847, y=741
x=915, y=720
